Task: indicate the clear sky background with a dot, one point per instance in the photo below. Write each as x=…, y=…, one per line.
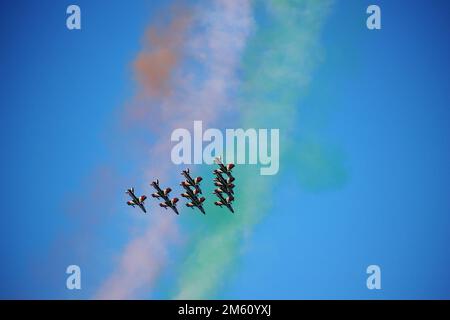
x=364, y=180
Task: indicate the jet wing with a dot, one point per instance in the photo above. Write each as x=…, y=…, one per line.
x=170, y=204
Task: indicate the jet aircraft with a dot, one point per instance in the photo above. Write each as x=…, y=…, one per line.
x=164, y=194
x=222, y=201
x=135, y=201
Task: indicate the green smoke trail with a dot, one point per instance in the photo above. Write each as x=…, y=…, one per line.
x=277, y=68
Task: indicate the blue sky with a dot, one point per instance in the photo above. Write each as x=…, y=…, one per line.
x=378, y=97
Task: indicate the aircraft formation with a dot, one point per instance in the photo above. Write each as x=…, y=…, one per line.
x=223, y=182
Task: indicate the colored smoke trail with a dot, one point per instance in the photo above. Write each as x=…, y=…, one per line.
x=277, y=68
x=173, y=94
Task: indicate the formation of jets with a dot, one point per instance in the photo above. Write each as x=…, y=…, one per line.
x=192, y=191
x=192, y=194
x=225, y=186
